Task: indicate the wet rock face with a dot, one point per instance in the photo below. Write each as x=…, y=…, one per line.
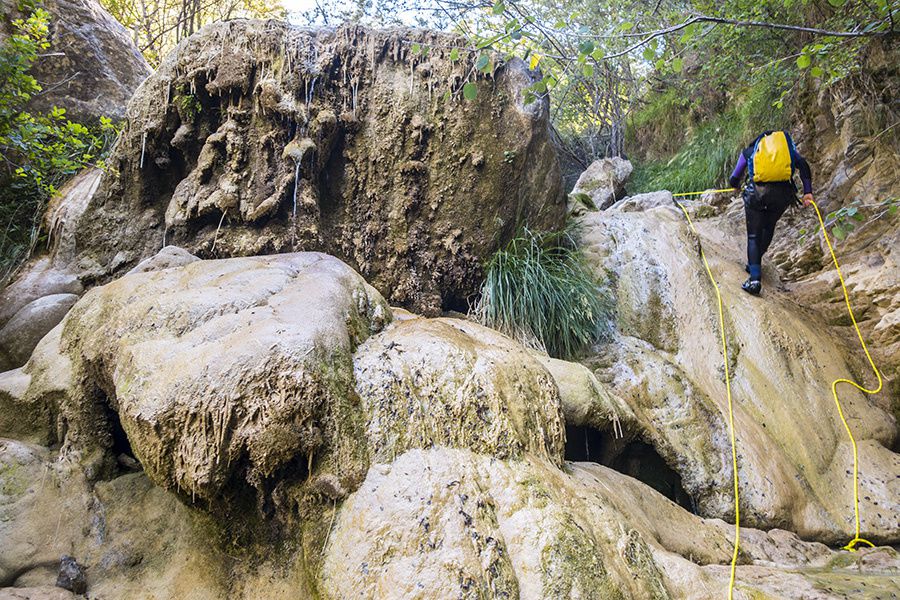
x=255, y=137
x=224, y=377
x=795, y=460
x=91, y=67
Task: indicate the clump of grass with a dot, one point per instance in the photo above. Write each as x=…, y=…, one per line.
x=538, y=288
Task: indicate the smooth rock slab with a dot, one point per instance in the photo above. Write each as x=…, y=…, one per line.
x=794, y=457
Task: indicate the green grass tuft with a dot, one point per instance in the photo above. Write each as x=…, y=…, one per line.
x=538, y=288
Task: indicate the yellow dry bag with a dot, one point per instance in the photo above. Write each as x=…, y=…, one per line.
x=772, y=158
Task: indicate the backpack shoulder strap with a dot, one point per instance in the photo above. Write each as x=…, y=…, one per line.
x=793, y=150
x=750, y=153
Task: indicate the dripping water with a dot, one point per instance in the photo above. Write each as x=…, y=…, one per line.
x=296, y=185
x=310, y=94
x=297, y=164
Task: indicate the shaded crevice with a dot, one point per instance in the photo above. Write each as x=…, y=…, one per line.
x=630, y=457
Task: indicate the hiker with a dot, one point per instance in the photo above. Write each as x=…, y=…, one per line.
x=770, y=162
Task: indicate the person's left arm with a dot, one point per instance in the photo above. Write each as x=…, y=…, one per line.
x=805, y=178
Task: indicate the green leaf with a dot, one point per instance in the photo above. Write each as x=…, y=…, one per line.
x=454, y=54
x=649, y=54
x=482, y=63
x=470, y=91
x=447, y=95
x=804, y=60
x=677, y=65
x=586, y=47
x=498, y=8
x=597, y=54
x=627, y=25
x=836, y=3
x=529, y=98
x=838, y=232
x=516, y=35
x=817, y=71
x=588, y=70
x=540, y=87
x=415, y=48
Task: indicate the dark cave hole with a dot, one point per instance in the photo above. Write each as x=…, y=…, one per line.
x=120, y=443
x=633, y=458
x=454, y=303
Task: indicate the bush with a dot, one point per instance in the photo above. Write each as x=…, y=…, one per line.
x=539, y=289
x=38, y=152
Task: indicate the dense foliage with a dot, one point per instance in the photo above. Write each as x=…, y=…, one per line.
x=38, y=150
x=538, y=289
x=158, y=25
x=645, y=67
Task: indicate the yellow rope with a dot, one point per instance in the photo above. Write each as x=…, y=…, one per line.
x=704, y=192
x=734, y=466
x=851, y=545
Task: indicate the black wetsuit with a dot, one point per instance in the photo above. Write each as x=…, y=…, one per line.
x=764, y=203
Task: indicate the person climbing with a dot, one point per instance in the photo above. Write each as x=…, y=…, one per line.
x=770, y=162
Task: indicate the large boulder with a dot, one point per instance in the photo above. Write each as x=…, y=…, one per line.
x=256, y=137
x=795, y=459
x=92, y=66
x=22, y=333
x=451, y=382
x=224, y=377
x=449, y=523
x=600, y=185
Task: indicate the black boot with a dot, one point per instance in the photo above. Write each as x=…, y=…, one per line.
x=752, y=286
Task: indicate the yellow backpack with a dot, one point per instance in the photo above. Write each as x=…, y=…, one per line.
x=772, y=158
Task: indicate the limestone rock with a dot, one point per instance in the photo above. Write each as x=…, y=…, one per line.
x=585, y=401
x=603, y=182
x=451, y=382
x=444, y=522
x=91, y=67
x=30, y=396
x=20, y=335
x=256, y=137
x=38, y=279
x=167, y=258
x=795, y=459
x=640, y=202
x=36, y=593
x=227, y=376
